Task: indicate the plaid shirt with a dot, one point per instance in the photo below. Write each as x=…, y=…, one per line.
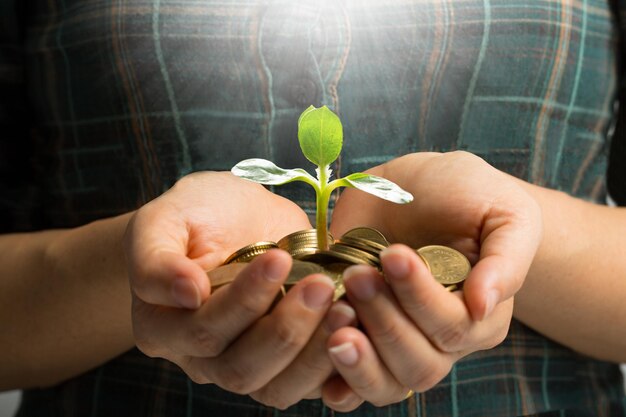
x=105, y=103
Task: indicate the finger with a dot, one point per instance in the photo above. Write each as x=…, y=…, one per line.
x=338, y=395
x=160, y=272
x=506, y=253
x=405, y=350
x=439, y=314
x=362, y=369
x=274, y=341
x=229, y=311
x=311, y=367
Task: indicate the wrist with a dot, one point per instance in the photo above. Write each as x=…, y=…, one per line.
x=93, y=252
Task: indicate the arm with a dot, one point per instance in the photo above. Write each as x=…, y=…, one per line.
x=64, y=302
x=575, y=292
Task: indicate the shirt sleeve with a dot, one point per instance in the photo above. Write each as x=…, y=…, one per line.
x=18, y=194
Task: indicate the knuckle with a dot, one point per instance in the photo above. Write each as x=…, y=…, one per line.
x=251, y=304
x=206, y=341
x=197, y=377
x=320, y=365
x=426, y=377
x=451, y=337
x=421, y=304
x=271, y=397
x=195, y=374
x=287, y=337
x=147, y=346
x=366, y=384
x=150, y=349
x=233, y=378
x=388, y=334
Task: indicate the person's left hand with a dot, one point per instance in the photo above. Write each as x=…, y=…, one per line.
x=413, y=329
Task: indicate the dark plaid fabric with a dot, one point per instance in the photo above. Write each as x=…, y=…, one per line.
x=616, y=173
x=105, y=103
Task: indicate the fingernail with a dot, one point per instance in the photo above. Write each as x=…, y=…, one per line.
x=346, y=353
x=395, y=264
x=340, y=315
x=360, y=283
x=318, y=293
x=492, y=299
x=273, y=271
x=186, y=293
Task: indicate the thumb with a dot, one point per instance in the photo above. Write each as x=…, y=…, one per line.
x=160, y=272
x=505, y=258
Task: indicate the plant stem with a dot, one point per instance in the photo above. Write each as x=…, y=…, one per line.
x=323, y=197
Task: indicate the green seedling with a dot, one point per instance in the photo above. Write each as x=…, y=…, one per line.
x=321, y=138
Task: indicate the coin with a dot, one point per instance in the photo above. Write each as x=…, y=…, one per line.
x=249, y=252
x=302, y=269
x=225, y=274
x=359, y=256
x=447, y=265
x=335, y=272
x=361, y=244
x=371, y=235
x=338, y=253
x=301, y=244
x=296, y=239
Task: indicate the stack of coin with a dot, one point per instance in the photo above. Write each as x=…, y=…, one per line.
x=249, y=252
x=357, y=246
x=301, y=244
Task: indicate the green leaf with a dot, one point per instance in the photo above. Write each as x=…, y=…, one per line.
x=266, y=172
x=310, y=108
x=379, y=187
x=320, y=134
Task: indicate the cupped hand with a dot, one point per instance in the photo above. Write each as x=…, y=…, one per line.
x=236, y=336
x=462, y=202
x=414, y=329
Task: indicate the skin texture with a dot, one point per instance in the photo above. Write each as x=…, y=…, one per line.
x=77, y=280
x=229, y=337
x=415, y=329
x=64, y=302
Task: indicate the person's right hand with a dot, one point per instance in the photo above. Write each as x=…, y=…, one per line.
x=228, y=337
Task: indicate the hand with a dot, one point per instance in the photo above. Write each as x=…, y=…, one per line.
x=462, y=202
x=226, y=337
x=305, y=376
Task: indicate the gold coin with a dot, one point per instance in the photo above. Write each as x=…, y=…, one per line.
x=249, y=252
x=447, y=265
x=362, y=244
x=341, y=254
x=369, y=234
x=335, y=272
x=340, y=291
x=301, y=243
x=302, y=269
x=301, y=237
x=301, y=252
x=363, y=256
x=224, y=274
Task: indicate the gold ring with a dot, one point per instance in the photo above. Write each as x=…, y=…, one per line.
x=409, y=394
